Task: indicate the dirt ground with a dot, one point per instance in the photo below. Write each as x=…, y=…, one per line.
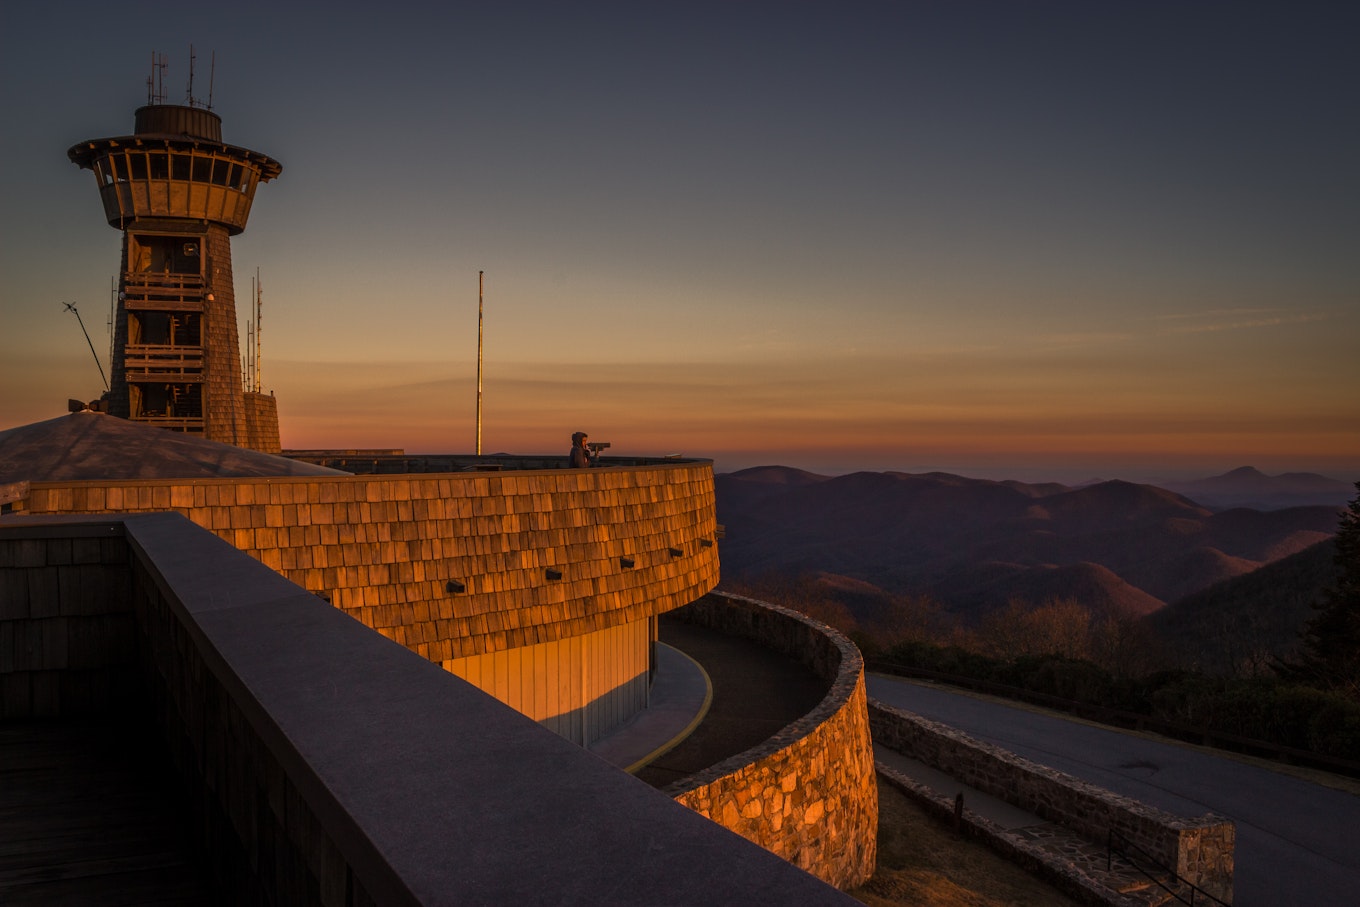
x=924, y=863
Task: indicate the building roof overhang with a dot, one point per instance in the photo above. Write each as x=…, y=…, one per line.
x=88, y=445
x=83, y=154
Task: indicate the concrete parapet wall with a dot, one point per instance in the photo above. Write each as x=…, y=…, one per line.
x=1199, y=850
x=325, y=765
x=539, y=555
x=809, y=792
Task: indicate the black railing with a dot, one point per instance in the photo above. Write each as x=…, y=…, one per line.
x=393, y=463
x=1126, y=849
x=1133, y=720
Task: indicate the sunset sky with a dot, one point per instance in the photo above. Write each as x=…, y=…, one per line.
x=1008, y=239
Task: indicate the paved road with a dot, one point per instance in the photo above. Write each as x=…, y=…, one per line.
x=1297, y=842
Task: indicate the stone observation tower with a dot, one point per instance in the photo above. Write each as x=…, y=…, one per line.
x=179, y=194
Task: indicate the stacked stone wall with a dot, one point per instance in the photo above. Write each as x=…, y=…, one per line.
x=1200, y=850
x=460, y=564
x=809, y=792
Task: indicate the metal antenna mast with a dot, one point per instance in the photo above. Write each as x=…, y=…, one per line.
x=155, y=83
x=259, y=322
x=479, y=362
x=71, y=307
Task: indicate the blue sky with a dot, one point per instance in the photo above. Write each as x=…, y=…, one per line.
x=1046, y=240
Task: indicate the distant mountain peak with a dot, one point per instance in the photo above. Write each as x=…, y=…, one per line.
x=1247, y=486
x=777, y=475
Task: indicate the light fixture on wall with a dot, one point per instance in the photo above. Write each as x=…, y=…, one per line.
x=552, y=573
x=454, y=586
x=675, y=552
x=626, y=563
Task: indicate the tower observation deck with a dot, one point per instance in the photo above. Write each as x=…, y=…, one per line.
x=178, y=194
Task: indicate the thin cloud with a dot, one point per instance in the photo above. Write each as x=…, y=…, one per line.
x=1245, y=324
x=1217, y=313
x=1086, y=338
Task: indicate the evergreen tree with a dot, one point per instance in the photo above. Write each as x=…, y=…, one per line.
x=1331, y=643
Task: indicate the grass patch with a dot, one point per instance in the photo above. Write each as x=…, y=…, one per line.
x=924, y=863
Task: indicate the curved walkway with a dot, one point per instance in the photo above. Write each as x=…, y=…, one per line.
x=680, y=696
x=755, y=693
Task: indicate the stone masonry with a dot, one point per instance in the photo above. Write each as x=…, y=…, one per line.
x=1199, y=850
x=809, y=792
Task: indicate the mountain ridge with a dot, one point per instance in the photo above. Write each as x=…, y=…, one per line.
x=976, y=544
x=1247, y=486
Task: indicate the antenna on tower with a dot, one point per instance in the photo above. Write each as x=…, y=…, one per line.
x=190, y=91
x=155, y=83
x=212, y=71
x=259, y=321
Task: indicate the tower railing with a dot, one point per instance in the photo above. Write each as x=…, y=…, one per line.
x=163, y=292
x=163, y=362
x=187, y=424
x=160, y=281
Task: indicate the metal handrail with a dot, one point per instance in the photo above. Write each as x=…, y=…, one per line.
x=1110, y=850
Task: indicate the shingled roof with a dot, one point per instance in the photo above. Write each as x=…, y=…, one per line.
x=90, y=445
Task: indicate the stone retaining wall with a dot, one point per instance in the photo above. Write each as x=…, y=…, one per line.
x=809, y=792
x=457, y=564
x=1199, y=850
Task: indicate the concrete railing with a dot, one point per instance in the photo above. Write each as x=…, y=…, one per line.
x=1200, y=851
x=809, y=792
x=325, y=764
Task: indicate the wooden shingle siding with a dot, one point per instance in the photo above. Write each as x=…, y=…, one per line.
x=384, y=548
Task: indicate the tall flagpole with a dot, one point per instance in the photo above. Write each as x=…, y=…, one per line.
x=479, y=363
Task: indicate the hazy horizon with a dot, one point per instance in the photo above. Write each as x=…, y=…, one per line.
x=1030, y=475
x=1052, y=243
